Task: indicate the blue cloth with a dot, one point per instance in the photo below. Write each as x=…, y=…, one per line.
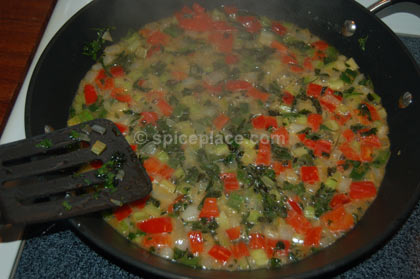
x=59, y=253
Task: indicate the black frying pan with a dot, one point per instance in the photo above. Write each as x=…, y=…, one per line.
x=385, y=60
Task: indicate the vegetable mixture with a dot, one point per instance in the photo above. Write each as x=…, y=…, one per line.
x=302, y=136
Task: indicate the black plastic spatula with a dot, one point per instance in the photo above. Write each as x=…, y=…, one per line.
x=45, y=178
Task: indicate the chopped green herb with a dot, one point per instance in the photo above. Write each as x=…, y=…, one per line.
x=45, y=143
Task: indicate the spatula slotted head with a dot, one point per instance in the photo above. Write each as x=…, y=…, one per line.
x=45, y=178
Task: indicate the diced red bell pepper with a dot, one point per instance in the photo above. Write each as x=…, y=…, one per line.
x=222, y=26
x=149, y=117
x=366, y=153
x=239, y=250
x=251, y=23
x=264, y=152
x=349, y=152
x=314, y=90
x=321, y=147
x=234, y=232
x=220, y=253
x=320, y=45
x=196, y=20
x=154, y=167
x=295, y=206
x=272, y=248
x=179, y=75
x=279, y=46
x=133, y=147
x=371, y=140
x=157, y=240
x=220, y=121
x=329, y=102
x=307, y=64
x=264, y=122
x=158, y=38
x=307, y=142
x=342, y=118
x=337, y=220
x=362, y=190
x=278, y=28
x=314, y=121
x=233, y=85
x=256, y=241
x=257, y=94
x=298, y=222
x=231, y=59
x=348, y=135
x=280, y=167
x=296, y=68
x=340, y=165
x=280, y=136
x=309, y=174
x=222, y=40
x=230, y=182
x=164, y=107
x=96, y=164
x=258, y=122
x=90, y=94
x=373, y=112
x=288, y=98
x=166, y=171
x=319, y=55
x=141, y=203
x=117, y=71
x=289, y=60
x=171, y=206
x=122, y=212
x=312, y=236
x=118, y=94
x=153, y=50
x=156, y=225
x=103, y=81
x=213, y=88
x=339, y=200
x=121, y=127
x=196, y=241
x=210, y=209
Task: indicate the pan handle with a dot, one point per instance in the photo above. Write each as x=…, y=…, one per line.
x=382, y=4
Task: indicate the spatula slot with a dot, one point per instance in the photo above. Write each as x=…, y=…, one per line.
x=57, y=150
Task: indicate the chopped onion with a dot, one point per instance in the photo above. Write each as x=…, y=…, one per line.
x=344, y=185
x=188, y=82
x=181, y=243
x=251, y=77
x=120, y=175
x=107, y=36
x=148, y=149
x=190, y=214
x=266, y=38
x=166, y=252
x=98, y=147
x=99, y=129
x=215, y=77
x=285, y=232
x=295, y=128
x=116, y=202
x=113, y=49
